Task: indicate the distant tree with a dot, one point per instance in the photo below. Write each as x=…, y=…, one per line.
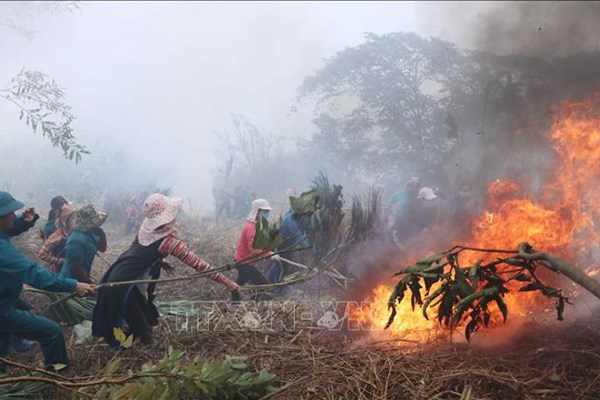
x=38, y=97
x=249, y=157
x=400, y=104
x=389, y=97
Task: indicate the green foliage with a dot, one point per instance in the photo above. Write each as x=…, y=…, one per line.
x=327, y=219
x=400, y=86
x=42, y=107
x=267, y=235
x=72, y=311
x=173, y=378
x=365, y=215
x=463, y=295
x=307, y=202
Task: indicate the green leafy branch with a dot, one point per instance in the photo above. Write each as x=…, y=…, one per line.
x=169, y=378
x=463, y=295
x=42, y=107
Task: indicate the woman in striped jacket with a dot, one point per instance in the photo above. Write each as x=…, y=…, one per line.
x=156, y=239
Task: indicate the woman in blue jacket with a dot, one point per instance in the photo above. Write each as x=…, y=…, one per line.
x=83, y=243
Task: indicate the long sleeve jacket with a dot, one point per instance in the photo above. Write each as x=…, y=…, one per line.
x=17, y=270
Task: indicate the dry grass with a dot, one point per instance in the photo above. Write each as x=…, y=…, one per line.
x=544, y=362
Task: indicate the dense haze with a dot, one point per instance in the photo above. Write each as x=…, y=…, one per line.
x=154, y=81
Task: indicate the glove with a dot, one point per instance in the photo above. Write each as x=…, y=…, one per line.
x=275, y=257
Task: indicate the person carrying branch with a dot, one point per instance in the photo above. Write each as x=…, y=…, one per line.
x=245, y=253
x=293, y=231
x=15, y=271
x=83, y=243
x=156, y=239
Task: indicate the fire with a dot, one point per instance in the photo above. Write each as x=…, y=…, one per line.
x=411, y=325
x=560, y=219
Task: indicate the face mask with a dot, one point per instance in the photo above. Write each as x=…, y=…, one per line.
x=265, y=214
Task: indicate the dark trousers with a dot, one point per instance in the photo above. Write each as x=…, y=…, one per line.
x=249, y=273
x=140, y=315
x=33, y=327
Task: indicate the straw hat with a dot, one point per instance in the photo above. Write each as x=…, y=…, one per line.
x=160, y=210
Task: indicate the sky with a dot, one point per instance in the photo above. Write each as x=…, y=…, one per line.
x=157, y=79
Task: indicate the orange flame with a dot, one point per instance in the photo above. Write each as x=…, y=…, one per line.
x=561, y=219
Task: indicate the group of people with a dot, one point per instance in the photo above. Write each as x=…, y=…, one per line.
x=417, y=208
x=17, y=270
x=72, y=239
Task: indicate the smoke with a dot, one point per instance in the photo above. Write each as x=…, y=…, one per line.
x=542, y=29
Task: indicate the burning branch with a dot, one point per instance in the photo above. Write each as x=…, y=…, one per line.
x=468, y=295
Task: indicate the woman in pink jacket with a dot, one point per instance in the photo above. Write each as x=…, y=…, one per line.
x=245, y=253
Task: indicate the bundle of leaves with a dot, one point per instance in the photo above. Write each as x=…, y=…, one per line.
x=267, y=235
x=306, y=203
x=327, y=219
x=365, y=215
x=70, y=310
x=464, y=295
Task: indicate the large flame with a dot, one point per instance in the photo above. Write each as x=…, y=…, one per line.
x=561, y=219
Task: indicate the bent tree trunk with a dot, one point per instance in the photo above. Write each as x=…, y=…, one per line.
x=557, y=264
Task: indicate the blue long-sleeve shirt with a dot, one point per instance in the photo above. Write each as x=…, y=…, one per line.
x=80, y=250
x=17, y=270
x=21, y=225
x=292, y=233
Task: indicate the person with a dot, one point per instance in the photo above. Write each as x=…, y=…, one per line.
x=401, y=201
x=15, y=271
x=156, y=239
x=245, y=253
x=23, y=224
x=56, y=205
x=83, y=243
x=293, y=231
x=52, y=251
x=418, y=215
x=131, y=214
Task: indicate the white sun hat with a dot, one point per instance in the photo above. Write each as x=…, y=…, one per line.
x=160, y=210
x=257, y=205
x=426, y=193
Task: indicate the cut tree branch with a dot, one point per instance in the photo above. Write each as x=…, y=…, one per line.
x=557, y=264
